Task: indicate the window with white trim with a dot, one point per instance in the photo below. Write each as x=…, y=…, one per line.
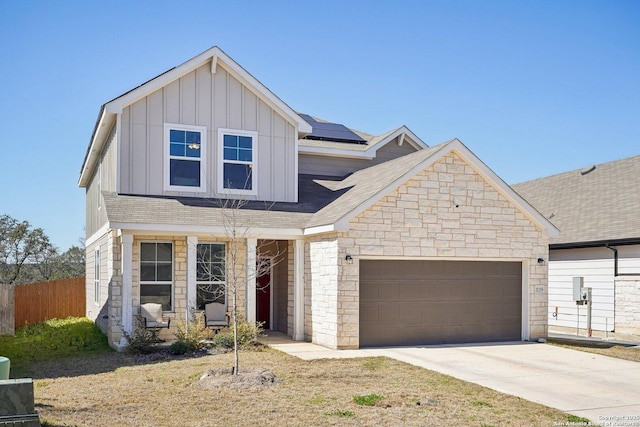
x=237, y=161
x=210, y=274
x=185, y=159
x=156, y=274
x=96, y=276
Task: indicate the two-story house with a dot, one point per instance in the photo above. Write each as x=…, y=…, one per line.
x=382, y=240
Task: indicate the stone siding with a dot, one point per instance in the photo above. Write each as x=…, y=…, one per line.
x=447, y=211
x=321, y=290
x=627, y=313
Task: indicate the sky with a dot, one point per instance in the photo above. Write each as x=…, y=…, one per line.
x=533, y=88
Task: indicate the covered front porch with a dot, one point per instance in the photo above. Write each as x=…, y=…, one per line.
x=262, y=273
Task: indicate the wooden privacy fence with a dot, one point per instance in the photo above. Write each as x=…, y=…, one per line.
x=37, y=302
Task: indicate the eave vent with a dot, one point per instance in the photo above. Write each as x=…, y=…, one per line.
x=588, y=169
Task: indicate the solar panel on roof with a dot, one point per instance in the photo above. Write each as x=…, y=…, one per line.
x=323, y=131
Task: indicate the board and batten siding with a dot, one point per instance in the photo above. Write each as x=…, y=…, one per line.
x=96, y=216
x=215, y=101
x=596, y=266
x=336, y=166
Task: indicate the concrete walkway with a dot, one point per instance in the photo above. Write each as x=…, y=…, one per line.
x=588, y=385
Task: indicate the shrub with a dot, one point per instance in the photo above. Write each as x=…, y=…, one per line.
x=194, y=331
x=178, y=347
x=141, y=340
x=223, y=340
x=248, y=334
x=50, y=340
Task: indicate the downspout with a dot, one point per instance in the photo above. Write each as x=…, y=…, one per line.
x=615, y=259
x=615, y=263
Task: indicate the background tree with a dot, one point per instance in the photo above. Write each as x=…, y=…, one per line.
x=20, y=243
x=27, y=255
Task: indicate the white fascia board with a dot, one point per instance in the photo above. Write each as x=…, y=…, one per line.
x=96, y=236
x=412, y=139
x=334, y=152
x=172, y=230
x=483, y=170
x=103, y=127
x=215, y=54
x=321, y=229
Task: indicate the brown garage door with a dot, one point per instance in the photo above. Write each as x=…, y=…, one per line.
x=437, y=302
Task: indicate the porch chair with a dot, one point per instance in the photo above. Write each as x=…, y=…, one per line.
x=151, y=316
x=215, y=316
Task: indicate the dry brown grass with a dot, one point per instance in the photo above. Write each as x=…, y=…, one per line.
x=115, y=389
x=618, y=351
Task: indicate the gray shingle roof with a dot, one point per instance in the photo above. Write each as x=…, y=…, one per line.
x=601, y=205
x=366, y=183
x=322, y=201
x=127, y=209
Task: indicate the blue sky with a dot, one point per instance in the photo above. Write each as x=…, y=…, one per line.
x=533, y=88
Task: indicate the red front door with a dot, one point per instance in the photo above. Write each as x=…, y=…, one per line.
x=263, y=295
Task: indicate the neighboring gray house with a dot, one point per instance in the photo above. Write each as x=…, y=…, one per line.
x=597, y=210
x=387, y=241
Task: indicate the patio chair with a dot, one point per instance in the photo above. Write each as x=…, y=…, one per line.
x=151, y=316
x=215, y=316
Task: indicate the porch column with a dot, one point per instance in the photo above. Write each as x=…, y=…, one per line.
x=127, y=284
x=192, y=259
x=252, y=245
x=298, y=290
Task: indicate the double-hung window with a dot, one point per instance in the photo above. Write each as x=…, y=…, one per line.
x=185, y=157
x=237, y=168
x=211, y=274
x=156, y=274
x=96, y=276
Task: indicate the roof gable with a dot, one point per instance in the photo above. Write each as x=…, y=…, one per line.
x=217, y=58
x=367, y=150
x=368, y=186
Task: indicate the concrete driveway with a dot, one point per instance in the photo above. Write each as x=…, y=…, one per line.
x=604, y=389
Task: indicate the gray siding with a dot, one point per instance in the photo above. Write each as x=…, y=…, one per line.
x=336, y=166
x=96, y=216
x=215, y=101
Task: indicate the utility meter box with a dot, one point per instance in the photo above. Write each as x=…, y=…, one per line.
x=578, y=284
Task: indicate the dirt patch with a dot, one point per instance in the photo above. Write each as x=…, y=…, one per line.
x=223, y=377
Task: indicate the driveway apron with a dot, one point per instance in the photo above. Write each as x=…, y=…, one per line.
x=604, y=389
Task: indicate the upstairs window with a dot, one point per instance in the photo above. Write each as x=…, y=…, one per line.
x=185, y=157
x=237, y=153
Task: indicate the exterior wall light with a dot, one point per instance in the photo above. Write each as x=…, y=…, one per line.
x=540, y=261
x=349, y=259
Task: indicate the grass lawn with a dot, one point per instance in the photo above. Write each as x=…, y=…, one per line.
x=79, y=381
x=618, y=351
x=117, y=389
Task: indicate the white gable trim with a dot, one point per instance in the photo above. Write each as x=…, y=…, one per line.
x=402, y=134
x=217, y=58
x=482, y=169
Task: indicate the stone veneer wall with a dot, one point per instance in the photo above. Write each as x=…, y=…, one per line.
x=420, y=220
x=627, y=315
x=321, y=290
x=114, y=304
